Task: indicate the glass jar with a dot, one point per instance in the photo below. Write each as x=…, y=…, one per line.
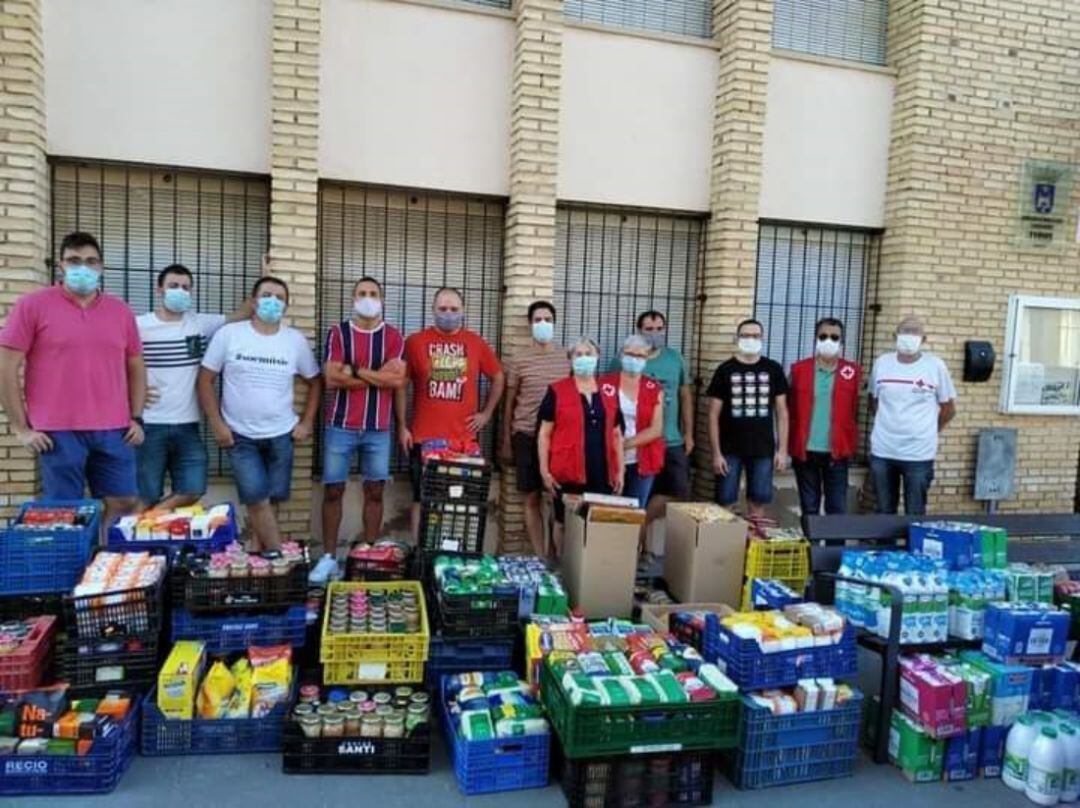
x=416, y=715
x=311, y=725
x=382, y=698
x=352, y=720
x=326, y=710
x=301, y=710
x=394, y=726
x=333, y=726
x=358, y=696
x=371, y=726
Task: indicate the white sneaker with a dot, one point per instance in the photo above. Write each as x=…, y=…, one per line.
x=326, y=570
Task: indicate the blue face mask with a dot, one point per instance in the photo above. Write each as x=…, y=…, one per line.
x=81, y=280
x=633, y=364
x=270, y=310
x=543, y=331
x=176, y=300
x=448, y=321
x=585, y=365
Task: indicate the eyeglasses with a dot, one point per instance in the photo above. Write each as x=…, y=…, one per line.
x=833, y=337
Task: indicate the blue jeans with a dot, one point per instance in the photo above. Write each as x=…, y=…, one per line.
x=759, y=472
x=262, y=468
x=634, y=485
x=177, y=449
x=818, y=473
x=917, y=476
x=338, y=448
x=98, y=457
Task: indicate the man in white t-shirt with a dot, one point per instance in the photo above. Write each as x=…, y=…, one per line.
x=255, y=422
x=174, y=340
x=912, y=398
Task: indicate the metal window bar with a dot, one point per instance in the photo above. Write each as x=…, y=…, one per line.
x=147, y=217
x=842, y=29
x=612, y=264
x=413, y=243
x=685, y=17
x=806, y=272
x=488, y=3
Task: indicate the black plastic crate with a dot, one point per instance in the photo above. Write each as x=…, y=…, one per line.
x=452, y=527
x=303, y=755
x=20, y=607
x=637, y=781
x=451, y=481
x=129, y=613
x=477, y=615
x=92, y=667
x=197, y=592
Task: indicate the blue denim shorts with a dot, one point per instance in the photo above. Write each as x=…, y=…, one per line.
x=759, y=478
x=339, y=445
x=99, y=458
x=174, y=448
x=262, y=468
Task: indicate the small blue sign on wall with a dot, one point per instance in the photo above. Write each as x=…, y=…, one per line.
x=1045, y=190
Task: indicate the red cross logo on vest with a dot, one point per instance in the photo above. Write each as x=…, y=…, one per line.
x=847, y=373
x=608, y=389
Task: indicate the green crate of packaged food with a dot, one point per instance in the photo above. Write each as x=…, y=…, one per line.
x=591, y=730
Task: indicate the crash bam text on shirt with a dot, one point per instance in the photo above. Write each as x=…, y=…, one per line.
x=449, y=365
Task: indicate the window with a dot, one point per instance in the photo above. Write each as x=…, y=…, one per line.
x=611, y=265
x=412, y=242
x=1042, y=356
x=842, y=29
x=218, y=225
x=805, y=273
x=490, y=3
x=687, y=17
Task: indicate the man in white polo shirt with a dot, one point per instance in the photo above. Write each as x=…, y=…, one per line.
x=912, y=398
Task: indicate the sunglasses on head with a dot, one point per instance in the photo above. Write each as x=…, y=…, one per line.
x=833, y=337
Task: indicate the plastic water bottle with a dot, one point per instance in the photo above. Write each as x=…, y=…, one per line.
x=1017, y=747
x=1046, y=767
x=1070, y=780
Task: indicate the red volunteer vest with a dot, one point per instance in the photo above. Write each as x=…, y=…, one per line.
x=844, y=424
x=650, y=457
x=567, y=460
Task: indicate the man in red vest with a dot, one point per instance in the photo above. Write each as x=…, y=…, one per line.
x=824, y=405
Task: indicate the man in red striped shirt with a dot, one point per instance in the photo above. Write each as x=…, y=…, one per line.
x=363, y=367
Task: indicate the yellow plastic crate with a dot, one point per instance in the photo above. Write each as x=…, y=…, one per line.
x=797, y=584
x=784, y=559
x=376, y=648
x=372, y=673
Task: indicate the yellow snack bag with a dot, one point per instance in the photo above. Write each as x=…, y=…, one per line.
x=215, y=691
x=239, y=704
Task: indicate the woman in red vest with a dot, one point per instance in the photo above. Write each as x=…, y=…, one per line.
x=824, y=406
x=580, y=439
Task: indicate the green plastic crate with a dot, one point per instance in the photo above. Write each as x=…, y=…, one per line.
x=588, y=731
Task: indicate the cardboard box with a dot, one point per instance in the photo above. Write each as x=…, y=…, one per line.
x=655, y=615
x=920, y=757
x=179, y=679
x=704, y=561
x=957, y=543
x=1010, y=687
x=962, y=756
x=992, y=751
x=599, y=560
x=1025, y=633
x=933, y=696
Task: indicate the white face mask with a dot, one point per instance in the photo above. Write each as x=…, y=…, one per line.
x=367, y=307
x=828, y=348
x=908, y=344
x=749, y=346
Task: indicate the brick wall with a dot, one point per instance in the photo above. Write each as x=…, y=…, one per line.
x=980, y=88
x=24, y=199
x=529, y=256
x=294, y=188
x=743, y=33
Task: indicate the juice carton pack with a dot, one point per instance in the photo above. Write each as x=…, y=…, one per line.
x=958, y=544
x=1056, y=687
x=933, y=696
x=970, y=591
x=962, y=756
x=179, y=679
x=1010, y=687
x=915, y=753
x=995, y=542
x=977, y=711
x=921, y=582
x=1030, y=584
x=992, y=751
x=1025, y=632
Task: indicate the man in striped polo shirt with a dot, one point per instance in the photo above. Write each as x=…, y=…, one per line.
x=363, y=367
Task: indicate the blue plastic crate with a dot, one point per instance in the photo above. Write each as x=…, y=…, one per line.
x=785, y=774
x=229, y=633
x=752, y=669
x=221, y=538
x=447, y=656
x=40, y=560
x=96, y=772
x=504, y=764
x=760, y=730
x=200, y=736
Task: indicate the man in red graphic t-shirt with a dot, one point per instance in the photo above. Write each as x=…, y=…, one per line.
x=444, y=363
x=363, y=367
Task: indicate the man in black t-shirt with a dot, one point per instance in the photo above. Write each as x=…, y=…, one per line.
x=746, y=394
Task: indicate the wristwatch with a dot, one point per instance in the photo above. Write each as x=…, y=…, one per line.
x=138, y=420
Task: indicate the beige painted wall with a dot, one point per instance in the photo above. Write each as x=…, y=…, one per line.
x=159, y=81
x=826, y=143
x=415, y=96
x=636, y=120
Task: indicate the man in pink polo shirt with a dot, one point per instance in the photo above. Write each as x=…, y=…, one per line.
x=84, y=381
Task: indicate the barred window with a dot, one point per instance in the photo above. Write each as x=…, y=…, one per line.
x=412, y=242
x=805, y=273
x=613, y=264
x=489, y=3
x=216, y=224
x=686, y=17
x=842, y=29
